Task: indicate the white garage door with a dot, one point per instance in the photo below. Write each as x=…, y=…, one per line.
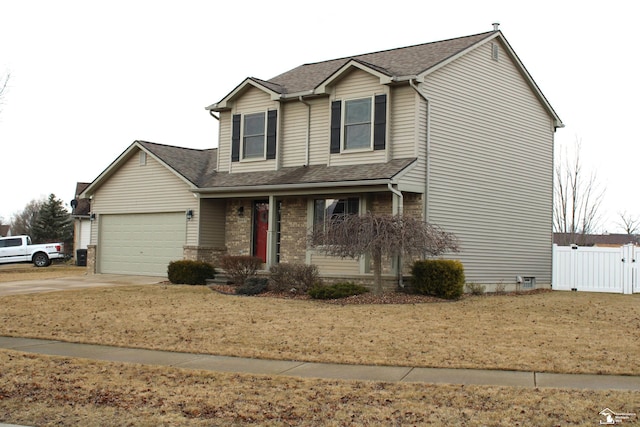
x=141, y=244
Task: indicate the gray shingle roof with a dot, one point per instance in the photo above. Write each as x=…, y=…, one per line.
x=199, y=168
x=406, y=61
x=314, y=174
x=191, y=163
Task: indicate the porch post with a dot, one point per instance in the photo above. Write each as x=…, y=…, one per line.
x=271, y=232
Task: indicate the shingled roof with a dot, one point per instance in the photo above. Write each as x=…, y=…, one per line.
x=401, y=63
x=194, y=165
x=405, y=61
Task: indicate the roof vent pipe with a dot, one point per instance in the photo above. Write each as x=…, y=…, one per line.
x=496, y=26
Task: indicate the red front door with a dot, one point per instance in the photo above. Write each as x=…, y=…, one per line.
x=260, y=228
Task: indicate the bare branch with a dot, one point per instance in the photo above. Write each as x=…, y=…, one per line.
x=630, y=224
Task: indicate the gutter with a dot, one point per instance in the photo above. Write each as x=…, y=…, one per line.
x=276, y=187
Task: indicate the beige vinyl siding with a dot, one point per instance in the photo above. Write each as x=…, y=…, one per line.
x=149, y=188
x=320, y=131
x=253, y=166
x=212, y=221
x=357, y=84
x=224, y=141
x=491, y=168
x=333, y=265
x=293, y=137
x=409, y=135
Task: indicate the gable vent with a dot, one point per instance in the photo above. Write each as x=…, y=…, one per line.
x=494, y=51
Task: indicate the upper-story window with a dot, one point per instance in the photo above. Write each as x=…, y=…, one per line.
x=253, y=138
x=357, y=124
x=362, y=126
x=257, y=132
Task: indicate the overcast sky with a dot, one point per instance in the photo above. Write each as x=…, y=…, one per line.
x=88, y=78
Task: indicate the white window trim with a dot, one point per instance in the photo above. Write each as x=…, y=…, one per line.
x=343, y=126
x=264, y=142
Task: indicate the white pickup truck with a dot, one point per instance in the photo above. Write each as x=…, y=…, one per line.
x=20, y=249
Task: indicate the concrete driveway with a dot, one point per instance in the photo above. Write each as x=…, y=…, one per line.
x=75, y=282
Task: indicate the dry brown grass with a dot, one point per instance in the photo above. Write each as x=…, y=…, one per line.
x=13, y=272
x=558, y=332
x=46, y=391
x=549, y=332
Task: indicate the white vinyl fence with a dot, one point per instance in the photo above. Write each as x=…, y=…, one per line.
x=596, y=269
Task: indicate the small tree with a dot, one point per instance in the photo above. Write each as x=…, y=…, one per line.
x=630, y=223
x=54, y=223
x=378, y=236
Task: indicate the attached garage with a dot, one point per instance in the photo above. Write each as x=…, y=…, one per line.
x=141, y=244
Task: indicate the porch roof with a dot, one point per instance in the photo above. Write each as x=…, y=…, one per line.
x=306, y=175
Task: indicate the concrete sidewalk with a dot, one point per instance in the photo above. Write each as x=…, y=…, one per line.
x=321, y=370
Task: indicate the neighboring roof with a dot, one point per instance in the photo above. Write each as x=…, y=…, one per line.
x=307, y=175
x=395, y=65
x=596, y=239
x=4, y=230
x=81, y=206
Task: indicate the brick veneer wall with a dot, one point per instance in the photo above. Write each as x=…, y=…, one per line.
x=293, y=233
x=208, y=254
x=238, y=228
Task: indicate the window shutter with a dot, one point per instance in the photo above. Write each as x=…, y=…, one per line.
x=336, y=112
x=380, y=122
x=272, y=124
x=235, y=138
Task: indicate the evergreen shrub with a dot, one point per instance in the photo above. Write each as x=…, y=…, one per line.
x=190, y=272
x=338, y=290
x=441, y=278
x=253, y=286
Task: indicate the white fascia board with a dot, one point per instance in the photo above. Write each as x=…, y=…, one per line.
x=224, y=102
x=250, y=189
x=384, y=78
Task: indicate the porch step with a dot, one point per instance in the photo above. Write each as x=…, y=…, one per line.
x=219, y=279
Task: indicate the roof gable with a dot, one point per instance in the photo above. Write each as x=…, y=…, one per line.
x=393, y=65
x=190, y=165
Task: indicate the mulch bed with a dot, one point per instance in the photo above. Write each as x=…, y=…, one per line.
x=368, y=298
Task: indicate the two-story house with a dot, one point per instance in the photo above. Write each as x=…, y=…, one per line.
x=455, y=132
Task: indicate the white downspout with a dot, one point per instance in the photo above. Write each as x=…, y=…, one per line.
x=427, y=160
x=306, y=154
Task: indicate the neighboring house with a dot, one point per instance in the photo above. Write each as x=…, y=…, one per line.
x=5, y=230
x=601, y=240
x=80, y=212
x=456, y=132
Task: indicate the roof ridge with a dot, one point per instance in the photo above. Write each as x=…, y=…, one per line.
x=397, y=48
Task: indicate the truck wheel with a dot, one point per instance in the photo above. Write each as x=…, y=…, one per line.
x=41, y=260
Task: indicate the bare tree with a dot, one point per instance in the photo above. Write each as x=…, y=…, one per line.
x=630, y=223
x=24, y=221
x=378, y=236
x=577, y=201
x=4, y=81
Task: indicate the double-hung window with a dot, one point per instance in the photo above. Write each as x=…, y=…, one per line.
x=357, y=123
x=253, y=138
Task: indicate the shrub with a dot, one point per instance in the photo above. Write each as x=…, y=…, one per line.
x=190, y=272
x=441, y=278
x=338, y=290
x=240, y=267
x=253, y=286
x=293, y=277
x=475, y=288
